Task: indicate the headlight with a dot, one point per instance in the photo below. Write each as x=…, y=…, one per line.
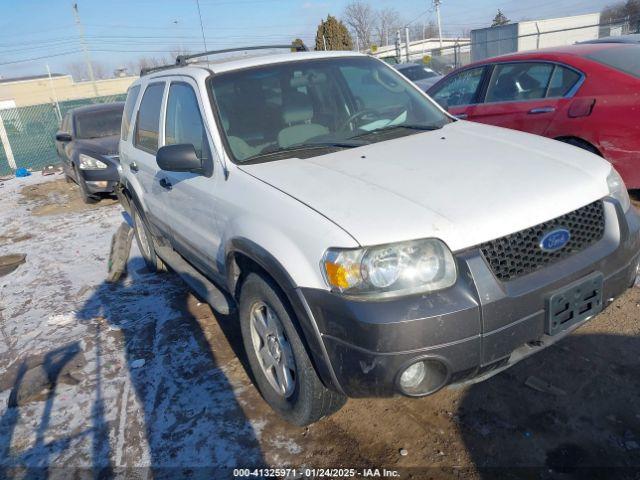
x=390, y=270
x=617, y=189
x=90, y=163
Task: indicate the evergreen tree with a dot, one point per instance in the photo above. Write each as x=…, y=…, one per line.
x=335, y=33
x=500, y=19
x=296, y=45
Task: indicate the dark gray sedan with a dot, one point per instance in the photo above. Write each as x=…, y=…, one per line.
x=424, y=77
x=87, y=145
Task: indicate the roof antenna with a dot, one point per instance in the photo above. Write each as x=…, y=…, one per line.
x=204, y=40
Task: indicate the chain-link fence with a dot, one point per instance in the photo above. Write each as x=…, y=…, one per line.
x=27, y=134
x=515, y=37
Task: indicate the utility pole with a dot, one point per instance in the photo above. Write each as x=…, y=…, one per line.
x=436, y=3
x=398, y=42
x=83, y=44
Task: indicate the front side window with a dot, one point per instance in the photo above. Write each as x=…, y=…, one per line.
x=519, y=81
x=148, y=123
x=132, y=97
x=625, y=58
x=184, y=123
x=99, y=123
x=459, y=89
x=321, y=104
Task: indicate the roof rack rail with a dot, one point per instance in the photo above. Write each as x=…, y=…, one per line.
x=148, y=70
x=181, y=60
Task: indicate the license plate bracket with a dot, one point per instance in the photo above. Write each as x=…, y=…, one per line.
x=574, y=303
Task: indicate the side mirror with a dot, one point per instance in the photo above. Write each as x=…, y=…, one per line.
x=63, y=137
x=179, y=158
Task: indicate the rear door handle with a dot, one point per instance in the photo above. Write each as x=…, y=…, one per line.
x=133, y=167
x=534, y=111
x=166, y=184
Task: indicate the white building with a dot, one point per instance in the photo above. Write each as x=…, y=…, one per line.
x=533, y=34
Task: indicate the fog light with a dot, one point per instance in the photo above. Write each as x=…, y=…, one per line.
x=422, y=377
x=413, y=376
x=97, y=183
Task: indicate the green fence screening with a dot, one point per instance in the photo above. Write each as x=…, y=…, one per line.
x=31, y=132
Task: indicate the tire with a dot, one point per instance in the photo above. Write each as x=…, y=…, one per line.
x=307, y=400
x=145, y=242
x=85, y=195
x=576, y=142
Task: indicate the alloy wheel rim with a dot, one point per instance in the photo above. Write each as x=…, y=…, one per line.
x=272, y=349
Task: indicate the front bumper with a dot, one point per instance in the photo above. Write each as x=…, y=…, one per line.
x=101, y=181
x=475, y=328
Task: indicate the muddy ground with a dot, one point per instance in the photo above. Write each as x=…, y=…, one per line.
x=141, y=380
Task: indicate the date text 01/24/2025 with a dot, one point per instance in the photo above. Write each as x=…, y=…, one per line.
x=315, y=472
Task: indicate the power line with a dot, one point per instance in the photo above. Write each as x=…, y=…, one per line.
x=12, y=62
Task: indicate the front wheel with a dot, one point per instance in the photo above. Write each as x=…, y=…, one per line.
x=84, y=193
x=145, y=242
x=277, y=356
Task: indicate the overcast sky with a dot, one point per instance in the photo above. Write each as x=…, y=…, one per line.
x=121, y=31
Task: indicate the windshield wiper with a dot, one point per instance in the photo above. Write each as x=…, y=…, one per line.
x=305, y=146
x=423, y=128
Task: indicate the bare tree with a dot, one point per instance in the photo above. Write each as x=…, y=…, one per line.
x=135, y=66
x=361, y=18
x=388, y=22
x=79, y=72
x=100, y=71
x=175, y=51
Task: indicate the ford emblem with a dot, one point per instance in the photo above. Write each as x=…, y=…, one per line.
x=554, y=240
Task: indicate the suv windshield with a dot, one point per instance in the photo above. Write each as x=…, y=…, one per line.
x=100, y=123
x=623, y=57
x=268, y=112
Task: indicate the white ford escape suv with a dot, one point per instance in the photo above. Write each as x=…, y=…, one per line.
x=373, y=244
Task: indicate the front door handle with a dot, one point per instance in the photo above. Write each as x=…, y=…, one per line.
x=166, y=184
x=461, y=116
x=534, y=111
x=133, y=167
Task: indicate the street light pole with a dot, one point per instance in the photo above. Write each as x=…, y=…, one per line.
x=436, y=3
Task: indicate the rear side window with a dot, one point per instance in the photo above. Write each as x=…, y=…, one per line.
x=625, y=58
x=184, y=123
x=127, y=116
x=519, y=81
x=459, y=89
x=148, y=123
x=562, y=81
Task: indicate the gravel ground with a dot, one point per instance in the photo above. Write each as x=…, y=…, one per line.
x=141, y=380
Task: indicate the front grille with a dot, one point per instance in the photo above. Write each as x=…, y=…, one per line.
x=519, y=253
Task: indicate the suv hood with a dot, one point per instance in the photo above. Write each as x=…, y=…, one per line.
x=465, y=184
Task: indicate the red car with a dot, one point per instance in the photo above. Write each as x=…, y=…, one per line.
x=587, y=95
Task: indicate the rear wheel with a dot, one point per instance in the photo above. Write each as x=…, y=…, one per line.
x=278, y=358
x=145, y=242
